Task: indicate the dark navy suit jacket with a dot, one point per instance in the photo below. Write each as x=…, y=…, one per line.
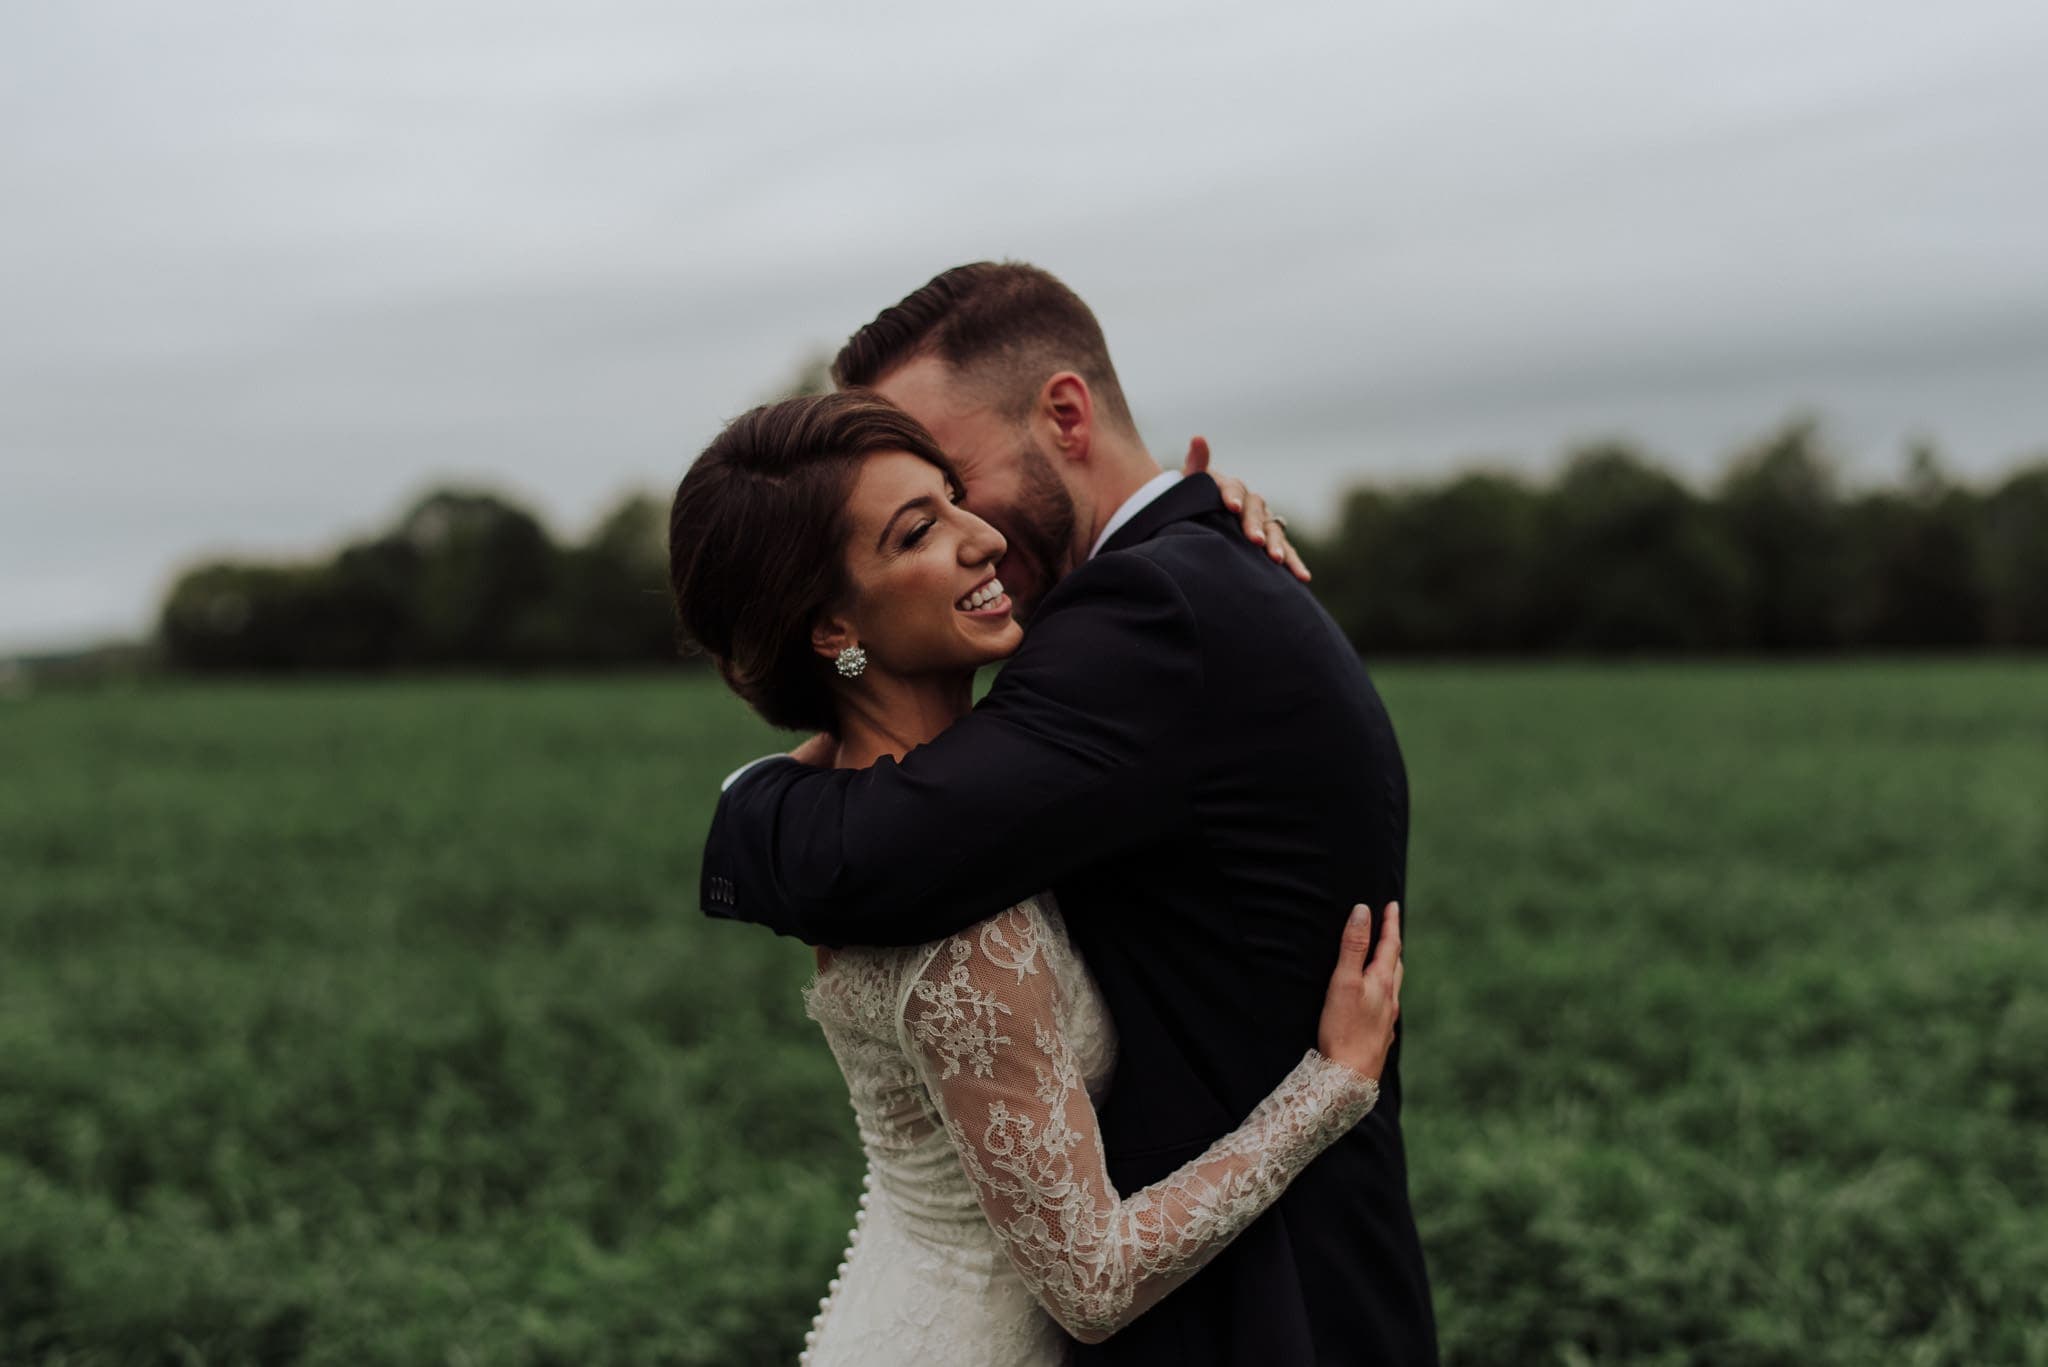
x=1189, y=753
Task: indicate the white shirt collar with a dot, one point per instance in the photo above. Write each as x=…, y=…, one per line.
x=1150, y=490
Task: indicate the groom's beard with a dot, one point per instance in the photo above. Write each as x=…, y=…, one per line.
x=1041, y=532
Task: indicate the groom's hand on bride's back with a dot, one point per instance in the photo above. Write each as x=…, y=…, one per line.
x=1261, y=526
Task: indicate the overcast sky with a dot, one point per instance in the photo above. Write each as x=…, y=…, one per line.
x=270, y=268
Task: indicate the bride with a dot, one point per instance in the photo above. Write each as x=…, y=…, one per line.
x=819, y=555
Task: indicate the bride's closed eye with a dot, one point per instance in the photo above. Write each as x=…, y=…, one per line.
x=917, y=533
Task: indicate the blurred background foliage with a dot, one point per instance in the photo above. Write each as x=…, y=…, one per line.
x=466, y=578
x=1616, y=555
x=1612, y=554
x=370, y=1024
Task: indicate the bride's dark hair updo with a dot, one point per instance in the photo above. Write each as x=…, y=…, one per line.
x=757, y=542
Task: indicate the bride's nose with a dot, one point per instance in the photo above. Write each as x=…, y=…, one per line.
x=983, y=544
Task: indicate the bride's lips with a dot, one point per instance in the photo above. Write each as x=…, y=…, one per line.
x=976, y=602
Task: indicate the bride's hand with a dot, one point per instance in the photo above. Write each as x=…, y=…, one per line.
x=1261, y=527
x=1364, y=999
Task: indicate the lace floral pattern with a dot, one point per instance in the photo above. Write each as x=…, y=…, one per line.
x=970, y=1064
x=984, y=1022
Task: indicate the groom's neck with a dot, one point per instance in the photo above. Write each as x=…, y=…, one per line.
x=1118, y=466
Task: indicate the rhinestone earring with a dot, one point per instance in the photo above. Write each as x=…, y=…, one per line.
x=852, y=661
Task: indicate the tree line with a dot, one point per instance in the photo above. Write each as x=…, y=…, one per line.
x=1612, y=554
x=466, y=579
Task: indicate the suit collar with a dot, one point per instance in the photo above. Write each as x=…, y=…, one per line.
x=1192, y=497
x=1151, y=489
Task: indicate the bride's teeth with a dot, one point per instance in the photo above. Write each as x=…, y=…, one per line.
x=982, y=597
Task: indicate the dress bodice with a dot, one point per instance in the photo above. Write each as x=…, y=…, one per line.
x=923, y=1274
x=858, y=1000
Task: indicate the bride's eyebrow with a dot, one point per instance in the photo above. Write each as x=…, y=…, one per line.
x=921, y=501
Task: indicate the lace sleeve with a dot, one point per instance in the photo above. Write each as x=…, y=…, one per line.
x=982, y=1021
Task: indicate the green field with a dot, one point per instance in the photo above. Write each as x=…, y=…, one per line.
x=364, y=1024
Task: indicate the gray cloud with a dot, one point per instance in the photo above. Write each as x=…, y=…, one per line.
x=270, y=269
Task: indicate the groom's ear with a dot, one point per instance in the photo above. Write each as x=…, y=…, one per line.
x=1067, y=410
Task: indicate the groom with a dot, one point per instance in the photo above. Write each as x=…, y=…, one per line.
x=1187, y=752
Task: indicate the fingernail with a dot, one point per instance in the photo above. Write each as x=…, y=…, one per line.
x=1360, y=914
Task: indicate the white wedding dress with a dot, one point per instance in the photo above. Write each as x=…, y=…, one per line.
x=973, y=1063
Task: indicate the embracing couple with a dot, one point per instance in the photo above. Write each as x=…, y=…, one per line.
x=1111, y=960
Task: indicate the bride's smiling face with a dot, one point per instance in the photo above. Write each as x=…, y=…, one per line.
x=923, y=594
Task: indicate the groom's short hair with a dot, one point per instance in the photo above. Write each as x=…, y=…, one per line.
x=1004, y=326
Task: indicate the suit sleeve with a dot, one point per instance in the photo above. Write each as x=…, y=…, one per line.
x=1076, y=754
